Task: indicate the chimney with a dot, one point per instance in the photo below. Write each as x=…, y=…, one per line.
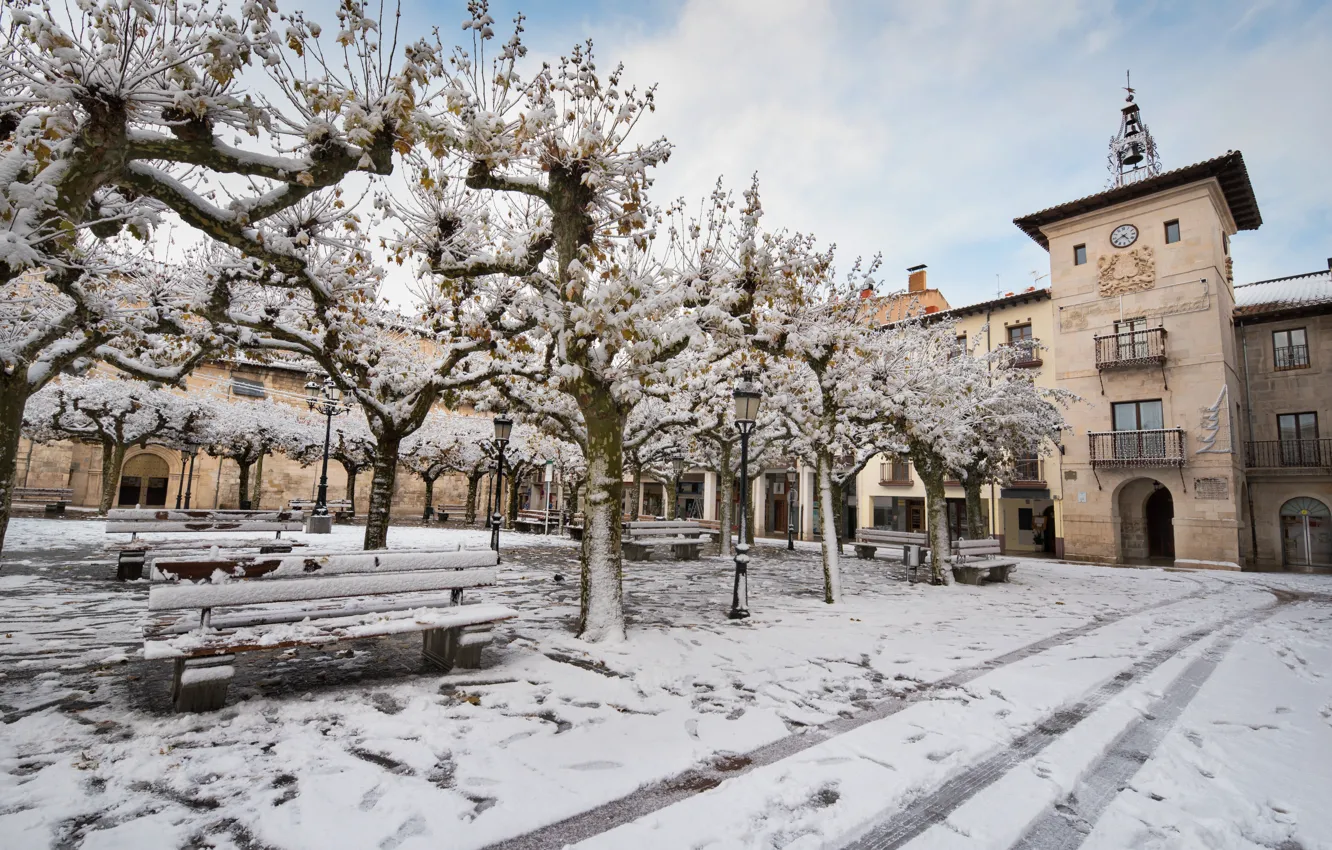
x=916, y=278
x=1329, y=264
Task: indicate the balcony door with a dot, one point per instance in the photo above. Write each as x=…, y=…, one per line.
x=1299, y=438
x=1131, y=339
x=1143, y=423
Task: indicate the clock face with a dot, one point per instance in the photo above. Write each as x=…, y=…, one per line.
x=1123, y=236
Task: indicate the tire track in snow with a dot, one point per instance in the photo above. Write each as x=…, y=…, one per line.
x=659, y=795
x=934, y=808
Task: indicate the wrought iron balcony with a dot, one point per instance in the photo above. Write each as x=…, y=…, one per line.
x=1291, y=357
x=1029, y=472
x=1131, y=349
x=1289, y=453
x=1153, y=448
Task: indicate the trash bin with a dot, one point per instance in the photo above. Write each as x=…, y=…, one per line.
x=911, y=558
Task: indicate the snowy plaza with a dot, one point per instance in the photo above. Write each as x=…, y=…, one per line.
x=672, y=425
x=998, y=716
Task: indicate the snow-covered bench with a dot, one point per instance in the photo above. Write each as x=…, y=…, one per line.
x=209, y=609
x=136, y=521
x=975, y=561
x=870, y=539
x=54, y=498
x=336, y=507
x=539, y=522
x=684, y=538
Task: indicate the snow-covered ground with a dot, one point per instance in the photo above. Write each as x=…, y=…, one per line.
x=927, y=711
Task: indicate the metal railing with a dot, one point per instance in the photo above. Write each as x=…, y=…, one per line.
x=1028, y=471
x=1291, y=357
x=1155, y=447
x=1289, y=453
x=1131, y=348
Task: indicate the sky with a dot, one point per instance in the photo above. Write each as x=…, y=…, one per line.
x=920, y=130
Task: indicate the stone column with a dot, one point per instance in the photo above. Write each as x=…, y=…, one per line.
x=710, y=495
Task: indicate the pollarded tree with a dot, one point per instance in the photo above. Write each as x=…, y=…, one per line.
x=247, y=431
x=117, y=414
x=445, y=443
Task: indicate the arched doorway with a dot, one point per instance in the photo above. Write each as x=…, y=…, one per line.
x=1160, y=515
x=144, y=482
x=1306, y=533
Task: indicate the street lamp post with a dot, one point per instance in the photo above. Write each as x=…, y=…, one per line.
x=677, y=465
x=503, y=428
x=790, y=507
x=324, y=398
x=747, y=397
x=186, y=456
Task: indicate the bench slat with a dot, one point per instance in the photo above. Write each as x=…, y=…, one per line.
x=987, y=543
x=325, y=631
x=338, y=563
x=150, y=514
x=202, y=526
x=175, y=596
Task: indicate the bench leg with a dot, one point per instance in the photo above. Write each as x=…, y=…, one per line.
x=967, y=575
x=200, y=684
x=129, y=565
x=473, y=640
x=635, y=553
x=439, y=647
x=685, y=552
x=865, y=552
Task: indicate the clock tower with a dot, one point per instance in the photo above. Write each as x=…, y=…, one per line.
x=1141, y=288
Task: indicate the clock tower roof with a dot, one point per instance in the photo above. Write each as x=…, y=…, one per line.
x=1228, y=169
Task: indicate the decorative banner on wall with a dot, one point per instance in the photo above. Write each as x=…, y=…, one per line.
x=1212, y=426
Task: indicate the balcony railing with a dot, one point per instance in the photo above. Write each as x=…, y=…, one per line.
x=1131, y=348
x=1291, y=357
x=1289, y=453
x=1028, y=472
x=1156, y=447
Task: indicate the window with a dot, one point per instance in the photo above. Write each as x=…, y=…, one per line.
x=1019, y=333
x=1079, y=255
x=1139, y=415
x=1024, y=519
x=896, y=471
x=1290, y=349
x=247, y=387
x=1028, y=469
x=1299, y=438
x=1172, y=231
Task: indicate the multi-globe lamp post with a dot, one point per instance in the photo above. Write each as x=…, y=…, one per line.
x=747, y=397
x=186, y=457
x=791, y=475
x=326, y=399
x=503, y=429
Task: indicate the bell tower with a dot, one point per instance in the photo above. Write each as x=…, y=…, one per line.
x=1133, y=154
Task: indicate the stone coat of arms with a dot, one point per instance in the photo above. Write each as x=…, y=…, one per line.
x=1127, y=271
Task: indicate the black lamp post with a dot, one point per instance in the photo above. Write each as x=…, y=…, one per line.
x=747, y=398
x=790, y=506
x=677, y=464
x=186, y=456
x=327, y=400
x=503, y=428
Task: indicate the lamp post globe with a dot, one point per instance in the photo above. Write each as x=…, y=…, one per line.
x=747, y=398
x=503, y=430
x=791, y=476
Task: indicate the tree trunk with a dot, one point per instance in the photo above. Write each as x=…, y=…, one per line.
x=381, y=492
x=976, y=529
x=351, y=471
x=519, y=470
x=601, y=609
x=832, y=547
x=638, y=494
x=473, y=483
x=13, y=397
x=673, y=495
x=243, y=494
x=113, y=460
x=726, y=489
x=258, y=482
x=429, y=496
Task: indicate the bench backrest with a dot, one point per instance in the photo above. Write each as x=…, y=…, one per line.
x=332, y=504
x=43, y=493
x=665, y=528
x=984, y=546
x=140, y=520
x=183, y=583
x=882, y=535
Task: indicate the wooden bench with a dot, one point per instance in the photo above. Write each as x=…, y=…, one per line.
x=975, y=561
x=55, y=498
x=136, y=521
x=870, y=539
x=683, y=536
x=209, y=609
x=339, y=508
x=537, y=522
x=575, y=526
x=443, y=512
x=711, y=529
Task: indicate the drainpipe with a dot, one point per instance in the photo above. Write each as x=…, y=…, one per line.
x=1248, y=417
